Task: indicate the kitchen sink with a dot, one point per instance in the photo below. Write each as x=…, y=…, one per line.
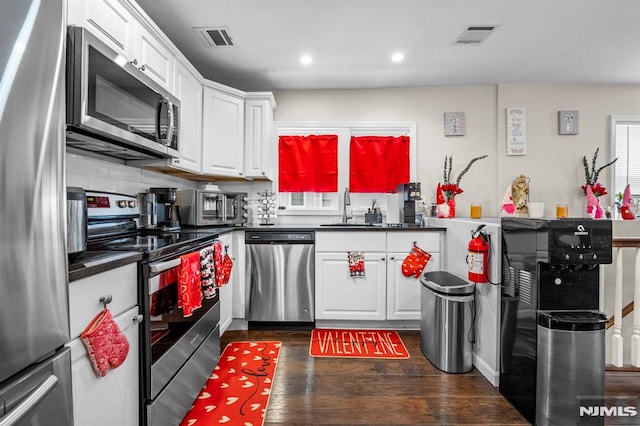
x=350, y=225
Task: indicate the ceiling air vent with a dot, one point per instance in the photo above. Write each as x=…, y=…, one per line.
x=215, y=36
x=475, y=34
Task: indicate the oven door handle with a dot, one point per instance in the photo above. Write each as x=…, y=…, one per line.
x=164, y=266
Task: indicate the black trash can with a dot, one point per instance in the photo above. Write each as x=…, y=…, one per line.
x=447, y=320
x=570, y=370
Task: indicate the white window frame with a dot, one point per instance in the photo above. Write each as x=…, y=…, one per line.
x=344, y=130
x=618, y=165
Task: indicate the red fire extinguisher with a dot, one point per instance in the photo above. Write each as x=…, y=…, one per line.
x=478, y=257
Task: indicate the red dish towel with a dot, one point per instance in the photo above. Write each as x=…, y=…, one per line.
x=218, y=263
x=189, y=289
x=356, y=263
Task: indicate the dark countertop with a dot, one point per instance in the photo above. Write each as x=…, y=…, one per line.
x=91, y=263
x=330, y=227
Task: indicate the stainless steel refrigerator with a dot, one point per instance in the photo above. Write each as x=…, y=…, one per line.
x=35, y=367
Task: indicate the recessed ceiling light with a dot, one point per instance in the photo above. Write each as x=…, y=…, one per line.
x=397, y=57
x=306, y=59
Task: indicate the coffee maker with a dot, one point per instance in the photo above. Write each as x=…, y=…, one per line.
x=551, y=331
x=410, y=198
x=168, y=214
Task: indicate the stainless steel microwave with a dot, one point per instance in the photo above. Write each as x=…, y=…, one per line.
x=212, y=208
x=113, y=107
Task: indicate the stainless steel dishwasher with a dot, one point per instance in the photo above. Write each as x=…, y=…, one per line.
x=280, y=277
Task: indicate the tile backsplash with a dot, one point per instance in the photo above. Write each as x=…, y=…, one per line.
x=100, y=175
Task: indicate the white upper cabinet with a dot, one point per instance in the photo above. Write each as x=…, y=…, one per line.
x=259, y=143
x=222, y=133
x=108, y=20
x=188, y=89
x=154, y=58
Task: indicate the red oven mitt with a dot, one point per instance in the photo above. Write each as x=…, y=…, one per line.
x=106, y=345
x=415, y=262
x=227, y=266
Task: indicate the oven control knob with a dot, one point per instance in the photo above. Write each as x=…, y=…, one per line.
x=245, y=207
x=132, y=203
x=245, y=215
x=245, y=199
x=122, y=203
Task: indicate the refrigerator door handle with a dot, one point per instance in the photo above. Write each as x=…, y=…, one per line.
x=14, y=416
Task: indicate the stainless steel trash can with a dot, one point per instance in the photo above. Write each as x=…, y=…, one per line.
x=447, y=321
x=570, y=365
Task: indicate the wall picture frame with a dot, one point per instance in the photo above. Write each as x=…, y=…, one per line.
x=454, y=123
x=516, y=131
x=568, y=122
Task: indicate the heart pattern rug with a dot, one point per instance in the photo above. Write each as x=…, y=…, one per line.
x=384, y=344
x=237, y=393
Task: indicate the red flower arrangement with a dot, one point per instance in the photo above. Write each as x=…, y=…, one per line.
x=591, y=175
x=598, y=189
x=449, y=189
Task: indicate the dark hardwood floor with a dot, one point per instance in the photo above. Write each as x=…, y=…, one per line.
x=335, y=391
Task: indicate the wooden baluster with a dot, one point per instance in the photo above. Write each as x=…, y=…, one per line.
x=635, y=339
x=616, y=339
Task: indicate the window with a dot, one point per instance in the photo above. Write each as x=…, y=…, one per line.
x=626, y=146
x=330, y=203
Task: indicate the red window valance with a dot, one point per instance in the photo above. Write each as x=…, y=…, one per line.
x=378, y=163
x=308, y=163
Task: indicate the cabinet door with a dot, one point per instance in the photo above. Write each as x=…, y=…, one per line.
x=342, y=297
x=154, y=58
x=403, y=293
x=222, y=134
x=259, y=149
x=106, y=19
x=226, y=291
x=189, y=90
x=114, y=398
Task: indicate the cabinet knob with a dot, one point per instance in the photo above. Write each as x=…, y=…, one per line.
x=383, y=258
x=105, y=300
x=142, y=68
x=393, y=258
x=138, y=318
x=134, y=62
x=176, y=160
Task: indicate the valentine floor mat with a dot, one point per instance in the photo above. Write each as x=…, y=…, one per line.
x=384, y=344
x=237, y=393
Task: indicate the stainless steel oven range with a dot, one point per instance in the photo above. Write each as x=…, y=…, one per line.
x=178, y=352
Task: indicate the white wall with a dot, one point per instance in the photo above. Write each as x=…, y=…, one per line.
x=553, y=162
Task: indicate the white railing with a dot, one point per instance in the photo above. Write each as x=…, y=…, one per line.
x=620, y=245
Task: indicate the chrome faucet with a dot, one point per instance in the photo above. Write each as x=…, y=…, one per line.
x=346, y=207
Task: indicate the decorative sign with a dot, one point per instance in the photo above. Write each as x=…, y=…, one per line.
x=454, y=123
x=516, y=131
x=568, y=122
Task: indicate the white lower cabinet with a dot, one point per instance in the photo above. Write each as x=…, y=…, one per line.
x=114, y=398
x=384, y=293
x=340, y=296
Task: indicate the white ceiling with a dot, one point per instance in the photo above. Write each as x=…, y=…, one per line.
x=351, y=41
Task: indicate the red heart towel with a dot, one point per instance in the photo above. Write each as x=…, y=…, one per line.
x=106, y=345
x=356, y=263
x=189, y=288
x=217, y=263
x=207, y=273
x=415, y=262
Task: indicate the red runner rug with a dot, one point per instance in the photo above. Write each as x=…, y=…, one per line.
x=385, y=344
x=237, y=393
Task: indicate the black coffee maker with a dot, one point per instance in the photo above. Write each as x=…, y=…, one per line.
x=410, y=197
x=168, y=213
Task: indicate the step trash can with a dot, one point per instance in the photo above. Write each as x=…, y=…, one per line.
x=570, y=365
x=447, y=321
